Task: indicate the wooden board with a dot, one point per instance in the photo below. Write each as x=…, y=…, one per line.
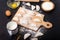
x=30, y=19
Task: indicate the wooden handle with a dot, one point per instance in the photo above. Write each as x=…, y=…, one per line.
x=28, y=0
x=45, y=0
x=47, y=24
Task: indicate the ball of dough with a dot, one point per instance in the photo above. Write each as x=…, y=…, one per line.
x=7, y=13
x=47, y=6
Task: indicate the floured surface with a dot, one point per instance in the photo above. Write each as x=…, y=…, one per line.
x=29, y=19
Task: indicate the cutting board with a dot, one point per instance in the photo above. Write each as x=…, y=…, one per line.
x=30, y=19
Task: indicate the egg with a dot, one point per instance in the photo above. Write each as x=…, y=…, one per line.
x=8, y=13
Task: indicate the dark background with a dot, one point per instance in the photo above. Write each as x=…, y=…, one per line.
x=54, y=17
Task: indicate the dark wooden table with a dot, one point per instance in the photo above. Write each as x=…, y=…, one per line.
x=54, y=17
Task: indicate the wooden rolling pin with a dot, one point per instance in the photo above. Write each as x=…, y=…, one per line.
x=28, y=0
x=32, y=0
x=45, y=0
